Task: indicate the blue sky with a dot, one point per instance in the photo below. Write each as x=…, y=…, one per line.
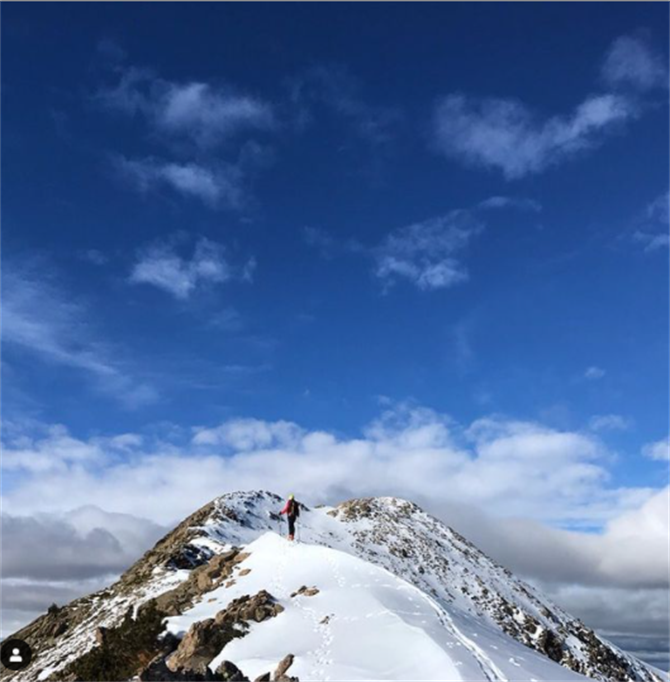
x=351, y=220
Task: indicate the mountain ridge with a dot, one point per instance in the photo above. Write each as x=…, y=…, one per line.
x=206, y=550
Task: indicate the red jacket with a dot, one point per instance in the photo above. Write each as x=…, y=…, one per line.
x=291, y=508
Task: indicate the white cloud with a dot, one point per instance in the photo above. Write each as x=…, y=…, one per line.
x=504, y=134
x=660, y=450
x=497, y=481
x=594, y=373
x=40, y=318
x=609, y=422
x=217, y=186
x=509, y=468
x=161, y=266
x=202, y=113
x=425, y=253
x=631, y=61
x=250, y=434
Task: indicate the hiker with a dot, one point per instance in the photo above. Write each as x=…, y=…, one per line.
x=292, y=511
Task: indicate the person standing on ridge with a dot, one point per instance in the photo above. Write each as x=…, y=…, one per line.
x=292, y=511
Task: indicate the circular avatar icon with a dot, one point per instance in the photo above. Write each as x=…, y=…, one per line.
x=15, y=654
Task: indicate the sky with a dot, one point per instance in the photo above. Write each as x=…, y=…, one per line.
x=338, y=250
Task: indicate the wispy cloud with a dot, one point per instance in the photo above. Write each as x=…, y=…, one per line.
x=520, y=203
x=428, y=254
x=40, y=318
x=609, y=422
x=219, y=185
x=507, y=135
x=652, y=232
x=660, y=450
x=504, y=134
x=210, y=133
x=163, y=267
x=200, y=112
x=335, y=89
x=425, y=253
x=632, y=61
x=594, y=373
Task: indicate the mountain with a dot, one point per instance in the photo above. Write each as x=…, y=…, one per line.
x=374, y=589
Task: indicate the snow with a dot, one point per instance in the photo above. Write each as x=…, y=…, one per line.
x=364, y=624
x=401, y=597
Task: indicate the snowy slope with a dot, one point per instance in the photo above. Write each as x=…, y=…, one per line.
x=401, y=596
x=364, y=624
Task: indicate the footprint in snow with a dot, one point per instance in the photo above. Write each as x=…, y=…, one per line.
x=513, y=661
x=493, y=646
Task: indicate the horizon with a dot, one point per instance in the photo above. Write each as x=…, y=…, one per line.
x=340, y=249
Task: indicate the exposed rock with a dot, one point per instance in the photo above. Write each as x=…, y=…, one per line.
x=203, y=641
x=258, y=608
x=206, y=638
x=101, y=636
x=305, y=591
x=284, y=665
x=161, y=673
x=245, y=571
x=230, y=672
x=265, y=677
x=201, y=580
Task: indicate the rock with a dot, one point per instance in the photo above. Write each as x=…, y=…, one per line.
x=245, y=571
x=284, y=665
x=201, y=580
x=265, y=677
x=230, y=672
x=101, y=635
x=305, y=591
x=203, y=641
x=206, y=638
x=258, y=608
x=58, y=628
x=159, y=672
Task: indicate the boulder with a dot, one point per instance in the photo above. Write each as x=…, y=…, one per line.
x=305, y=591
x=203, y=641
x=258, y=608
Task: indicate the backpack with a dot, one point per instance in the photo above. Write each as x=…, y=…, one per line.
x=294, y=509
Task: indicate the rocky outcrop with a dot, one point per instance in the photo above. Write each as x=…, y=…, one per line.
x=159, y=672
x=201, y=580
x=205, y=639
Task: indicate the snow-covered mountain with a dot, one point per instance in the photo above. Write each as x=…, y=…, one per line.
x=375, y=589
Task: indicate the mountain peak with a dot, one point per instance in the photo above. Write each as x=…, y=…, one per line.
x=350, y=558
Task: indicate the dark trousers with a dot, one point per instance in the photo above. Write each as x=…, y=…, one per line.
x=291, y=525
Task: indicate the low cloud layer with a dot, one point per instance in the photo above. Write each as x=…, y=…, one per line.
x=518, y=490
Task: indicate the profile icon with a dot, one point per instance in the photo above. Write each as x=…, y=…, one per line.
x=15, y=654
